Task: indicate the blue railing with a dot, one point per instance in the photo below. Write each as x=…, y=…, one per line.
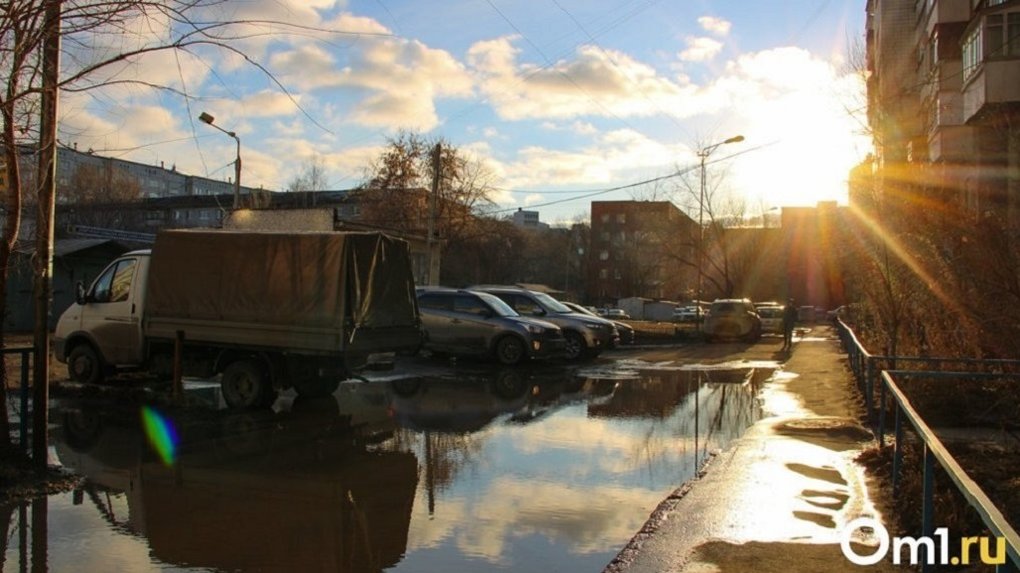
x=25, y=352
x=866, y=369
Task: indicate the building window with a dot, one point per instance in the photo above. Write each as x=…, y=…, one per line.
x=603, y=273
x=1013, y=34
x=605, y=217
x=604, y=255
x=971, y=53
x=621, y=217
x=617, y=274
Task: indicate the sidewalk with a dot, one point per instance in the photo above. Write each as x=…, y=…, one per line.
x=778, y=498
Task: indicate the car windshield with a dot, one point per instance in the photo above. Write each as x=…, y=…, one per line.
x=551, y=304
x=498, y=306
x=579, y=309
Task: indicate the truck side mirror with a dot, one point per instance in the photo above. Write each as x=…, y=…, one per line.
x=79, y=292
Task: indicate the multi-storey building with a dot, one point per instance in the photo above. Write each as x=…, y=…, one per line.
x=944, y=99
x=640, y=248
x=152, y=181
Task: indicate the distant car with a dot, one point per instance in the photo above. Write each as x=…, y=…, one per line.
x=806, y=314
x=464, y=322
x=586, y=336
x=626, y=331
x=732, y=319
x=771, y=318
x=687, y=314
x=617, y=314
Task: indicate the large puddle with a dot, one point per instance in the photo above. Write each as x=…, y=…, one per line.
x=470, y=469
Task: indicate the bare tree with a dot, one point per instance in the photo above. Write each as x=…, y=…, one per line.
x=313, y=177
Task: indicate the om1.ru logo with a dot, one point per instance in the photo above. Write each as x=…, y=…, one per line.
x=914, y=545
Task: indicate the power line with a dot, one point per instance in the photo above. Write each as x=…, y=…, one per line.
x=595, y=193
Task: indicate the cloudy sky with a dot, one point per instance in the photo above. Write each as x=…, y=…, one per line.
x=559, y=98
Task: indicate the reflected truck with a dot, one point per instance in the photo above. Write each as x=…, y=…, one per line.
x=262, y=491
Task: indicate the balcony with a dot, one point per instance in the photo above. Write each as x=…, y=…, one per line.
x=993, y=84
x=946, y=12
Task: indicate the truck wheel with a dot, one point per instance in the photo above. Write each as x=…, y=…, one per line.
x=510, y=350
x=245, y=385
x=84, y=365
x=315, y=387
x=575, y=345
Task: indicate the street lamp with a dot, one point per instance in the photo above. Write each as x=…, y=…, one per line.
x=703, y=154
x=206, y=118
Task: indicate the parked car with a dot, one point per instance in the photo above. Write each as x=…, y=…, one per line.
x=687, y=314
x=732, y=318
x=617, y=314
x=806, y=314
x=463, y=322
x=626, y=331
x=771, y=318
x=586, y=336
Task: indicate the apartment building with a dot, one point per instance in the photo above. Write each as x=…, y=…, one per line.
x=944, y=98
x=640, y=248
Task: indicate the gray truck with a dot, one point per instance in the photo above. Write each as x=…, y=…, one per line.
x=267, y=311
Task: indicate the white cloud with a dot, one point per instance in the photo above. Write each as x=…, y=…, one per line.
x=715, y=25
x=395, y=82
x=610, y=157
x=533, y=198
x=269, y=104
x=701, y=49
x=595, y=82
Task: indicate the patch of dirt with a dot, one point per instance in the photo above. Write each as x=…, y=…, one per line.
x=834, y=433
x=20, y=480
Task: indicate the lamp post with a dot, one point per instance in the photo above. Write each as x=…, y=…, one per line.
x=206, y=118
x=703, y=154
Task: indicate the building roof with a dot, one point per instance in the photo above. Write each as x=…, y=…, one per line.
x=64, y=247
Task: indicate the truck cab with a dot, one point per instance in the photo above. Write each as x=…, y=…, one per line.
x=103, y=328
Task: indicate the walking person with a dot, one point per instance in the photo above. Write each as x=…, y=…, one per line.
x=789, y=321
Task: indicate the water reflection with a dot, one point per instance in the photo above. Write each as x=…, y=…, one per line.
x=471, y=468
x=272, y=491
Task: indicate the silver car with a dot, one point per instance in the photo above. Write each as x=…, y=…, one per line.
x=586, y=336
x=464, y=322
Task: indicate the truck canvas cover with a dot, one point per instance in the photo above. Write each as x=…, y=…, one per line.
x=346, y=285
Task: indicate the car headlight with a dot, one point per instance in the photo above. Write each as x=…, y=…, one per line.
x=595, y=325
x=535, y=329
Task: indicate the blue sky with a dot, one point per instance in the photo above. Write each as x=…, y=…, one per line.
x=552, y=96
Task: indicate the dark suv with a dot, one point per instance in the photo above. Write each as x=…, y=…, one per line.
x=464, y=322
x=587, y=336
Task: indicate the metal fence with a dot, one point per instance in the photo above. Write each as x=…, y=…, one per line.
x=873, y=372
x=24, y=353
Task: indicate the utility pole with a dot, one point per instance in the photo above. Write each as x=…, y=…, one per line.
x=47, y=192
x=433, y=261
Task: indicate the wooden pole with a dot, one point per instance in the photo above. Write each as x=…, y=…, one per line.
x=47, y=191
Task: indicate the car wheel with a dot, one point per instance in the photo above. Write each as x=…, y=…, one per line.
x=245, y=385
x=575, y=346
x=84, y=365
x=510, y=350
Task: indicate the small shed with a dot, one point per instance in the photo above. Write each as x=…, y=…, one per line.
x=659, y=310
x=73, y=260
x=634, y=306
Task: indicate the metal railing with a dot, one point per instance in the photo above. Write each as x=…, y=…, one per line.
x=25, y=352
x=867, y=368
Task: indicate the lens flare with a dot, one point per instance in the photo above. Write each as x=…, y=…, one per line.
x=161, y=433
